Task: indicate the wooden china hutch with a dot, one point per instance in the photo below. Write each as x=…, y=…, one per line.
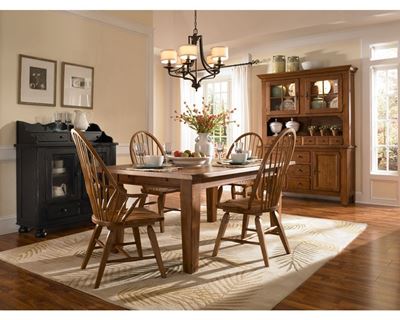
x=316, y=99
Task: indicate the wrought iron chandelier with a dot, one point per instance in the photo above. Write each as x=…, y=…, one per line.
x=189, y=62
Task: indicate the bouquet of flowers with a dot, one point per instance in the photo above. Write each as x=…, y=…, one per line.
x=203, y=121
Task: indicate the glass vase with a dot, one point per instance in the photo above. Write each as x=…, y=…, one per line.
x=204, y=144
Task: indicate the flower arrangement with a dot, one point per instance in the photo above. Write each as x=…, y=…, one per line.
x=203, y=121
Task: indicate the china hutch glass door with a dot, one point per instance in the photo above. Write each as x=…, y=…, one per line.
x=323, y=94
x=282, y=97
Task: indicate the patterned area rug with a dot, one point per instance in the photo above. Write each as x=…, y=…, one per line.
x=235, y=280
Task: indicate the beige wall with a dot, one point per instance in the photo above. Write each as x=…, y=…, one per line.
x=121, y=75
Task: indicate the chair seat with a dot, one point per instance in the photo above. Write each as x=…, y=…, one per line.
x=158, y=190
x=241, y=206
x=138, y=217
x=243, y=184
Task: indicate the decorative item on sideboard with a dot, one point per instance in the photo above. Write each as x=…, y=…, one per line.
x=278, y=64
x=276, y=127
x=312, y=129
x=293, y=64
x=323, y=129
x=335, y=130
x=293, y=124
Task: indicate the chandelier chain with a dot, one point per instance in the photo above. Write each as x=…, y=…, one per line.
x=195, y=31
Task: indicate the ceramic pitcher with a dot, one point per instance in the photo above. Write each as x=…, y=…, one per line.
x=80, y=121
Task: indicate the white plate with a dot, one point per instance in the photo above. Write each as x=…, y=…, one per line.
x=292, y=90
x=334, y=103
x=58, y=170
x=324, y=86
x=188, y=161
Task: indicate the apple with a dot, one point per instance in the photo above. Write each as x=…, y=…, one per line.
x=177, y=153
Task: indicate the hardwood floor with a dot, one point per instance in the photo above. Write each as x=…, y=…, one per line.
x=365, y=276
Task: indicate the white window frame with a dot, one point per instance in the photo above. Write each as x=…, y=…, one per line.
x=223, y=77
x=368, y=192
x=374, y=65
x=374, y=164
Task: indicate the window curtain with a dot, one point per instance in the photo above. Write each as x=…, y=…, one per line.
x=241, y=76
x=190, y=96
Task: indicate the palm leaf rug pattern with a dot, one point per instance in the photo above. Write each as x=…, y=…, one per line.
x=235, y=280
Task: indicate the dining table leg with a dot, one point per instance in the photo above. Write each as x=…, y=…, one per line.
x=190, y=225
x=212, y=198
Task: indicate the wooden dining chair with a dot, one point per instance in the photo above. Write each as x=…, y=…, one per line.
x=265, y=195
x=144, y=143
x=251, y=141
x=109, y=202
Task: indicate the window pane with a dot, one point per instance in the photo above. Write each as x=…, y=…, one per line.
x=393, y=107
x=393, y=152
x=384, y=51
x=224, y=86
x=381, y=133
x=381, y=158
x=393, y=132
x=385, y=111
x=381, y=106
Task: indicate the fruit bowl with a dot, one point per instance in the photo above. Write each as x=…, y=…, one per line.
x=188, y=161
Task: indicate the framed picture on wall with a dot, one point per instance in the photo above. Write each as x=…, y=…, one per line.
x=77, y=86
x=37, y=81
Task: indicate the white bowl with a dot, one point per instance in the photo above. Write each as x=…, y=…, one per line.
x=307, y=65
x=189, y=161
x=153, y=161
x=239, y=157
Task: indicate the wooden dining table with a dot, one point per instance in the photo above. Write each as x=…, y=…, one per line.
x=190, y=181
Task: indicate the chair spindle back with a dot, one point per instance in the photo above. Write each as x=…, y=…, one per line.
x=269, y=183
x=144, y=143
x=108, y=200
x=251, y=141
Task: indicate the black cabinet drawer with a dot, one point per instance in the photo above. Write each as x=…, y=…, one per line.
x=53, y=137
x=61, y=211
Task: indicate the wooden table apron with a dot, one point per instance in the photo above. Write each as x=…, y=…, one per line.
x=191, y=181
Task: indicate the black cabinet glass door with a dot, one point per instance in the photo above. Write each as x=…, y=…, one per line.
x=61, y=172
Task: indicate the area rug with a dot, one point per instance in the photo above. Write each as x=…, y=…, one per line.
x=235, y=280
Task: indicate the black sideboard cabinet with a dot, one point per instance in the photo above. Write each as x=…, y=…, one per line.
x=50, y=187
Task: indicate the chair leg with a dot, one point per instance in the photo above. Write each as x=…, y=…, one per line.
x=245, y=226
x=156, y=250
x=261, y=239
x=221, y=232
x=161, y=204
x=281, y=231
x=95, y=235
x=106, y=251
x=233, y=192
x=136, y=235
x=220, y=191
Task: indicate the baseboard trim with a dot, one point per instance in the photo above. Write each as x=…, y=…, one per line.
x=8, y=225
x=7, y=153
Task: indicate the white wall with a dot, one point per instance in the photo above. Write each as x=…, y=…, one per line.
x=121, y=57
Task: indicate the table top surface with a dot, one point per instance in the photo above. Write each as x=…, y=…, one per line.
x=186, y=173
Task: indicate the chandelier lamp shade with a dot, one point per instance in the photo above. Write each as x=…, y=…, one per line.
x=190, y=61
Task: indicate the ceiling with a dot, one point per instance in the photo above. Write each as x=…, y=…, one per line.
x=242, y=30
